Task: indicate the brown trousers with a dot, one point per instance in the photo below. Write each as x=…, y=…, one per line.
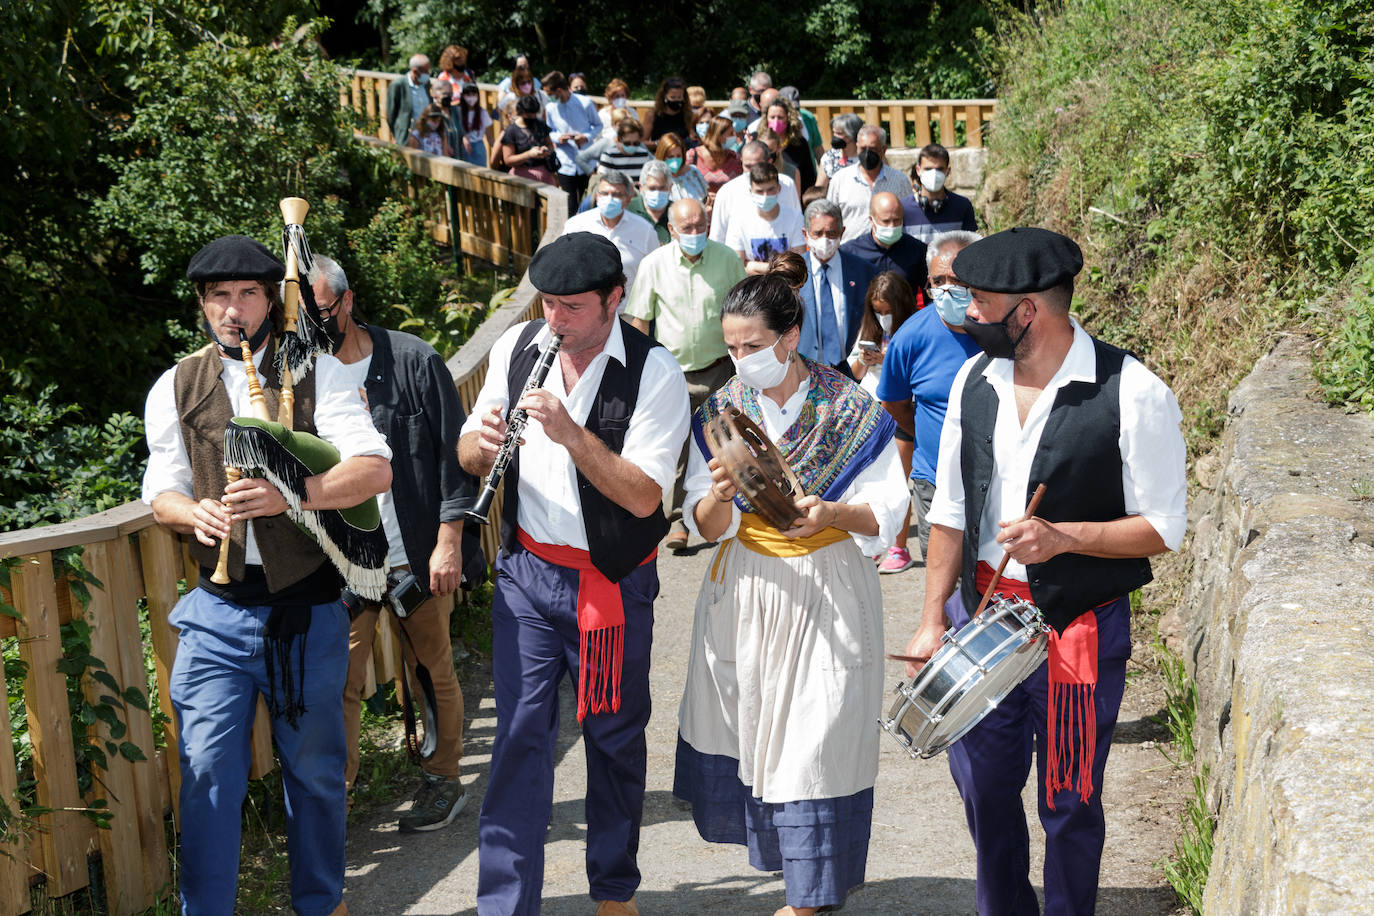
x=427, y=629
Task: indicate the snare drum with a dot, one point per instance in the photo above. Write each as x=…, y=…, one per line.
x=966, y=679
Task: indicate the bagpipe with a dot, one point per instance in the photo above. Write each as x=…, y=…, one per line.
x=258, y=446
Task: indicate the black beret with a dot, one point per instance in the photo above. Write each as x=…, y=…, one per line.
x=234, y=257
x=578, y=262
x=1024, y=260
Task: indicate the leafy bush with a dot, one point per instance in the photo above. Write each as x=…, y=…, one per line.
x=1204, y=155
x=1346, y=368
x=53, y=468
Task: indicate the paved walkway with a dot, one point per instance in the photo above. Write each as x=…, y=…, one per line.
x=920, y=861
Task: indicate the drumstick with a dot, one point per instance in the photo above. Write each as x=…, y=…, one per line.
x=996, y=576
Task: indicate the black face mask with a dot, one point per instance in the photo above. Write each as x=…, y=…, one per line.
x=330, y=325
x=869, y=159
x=837, y=143
x=672, y=106
x=993, y=338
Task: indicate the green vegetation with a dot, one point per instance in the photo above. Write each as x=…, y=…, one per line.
x=1207, y=156
x=826, y=48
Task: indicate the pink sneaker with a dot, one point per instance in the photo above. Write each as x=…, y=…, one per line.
x=897, y=559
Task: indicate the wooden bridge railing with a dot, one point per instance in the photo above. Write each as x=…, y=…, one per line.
x=925, y=120
x=141, y=566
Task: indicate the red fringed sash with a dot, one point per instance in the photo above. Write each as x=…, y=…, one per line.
x=1072, y=687
x=600, y=621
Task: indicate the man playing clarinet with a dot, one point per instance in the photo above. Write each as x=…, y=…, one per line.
x=1046, y=404
x=277, y=628
x=576, y=577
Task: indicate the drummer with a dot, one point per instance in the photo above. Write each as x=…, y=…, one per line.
x=777, y=748
x=1046, y=403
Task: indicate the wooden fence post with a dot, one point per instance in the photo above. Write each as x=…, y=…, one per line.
x=120, y=844
x=45, y=700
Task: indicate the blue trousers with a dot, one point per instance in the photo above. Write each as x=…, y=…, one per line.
x=215, y=682
x=535, y=644
x=990, y=766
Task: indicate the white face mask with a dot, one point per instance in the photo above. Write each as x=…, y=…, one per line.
x=932, y=179
x=761, y=369
x=824, y=248
x=885, y=322
x=618, y=102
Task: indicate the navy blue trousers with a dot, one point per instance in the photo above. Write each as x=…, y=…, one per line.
x=990, y=766
x=215, y=682
x=535, y=644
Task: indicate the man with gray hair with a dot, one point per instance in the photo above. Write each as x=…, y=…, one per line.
x=410, y=394
x=757, y=84
x=922, y=359
x=655, y=193
x=680, y=289
x=853, y=186
x=406, y=98
x=835, y=289
x=633, y=236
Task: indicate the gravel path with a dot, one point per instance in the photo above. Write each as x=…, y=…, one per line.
x=920, y=861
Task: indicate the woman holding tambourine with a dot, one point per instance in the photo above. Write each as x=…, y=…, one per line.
x=777, y=748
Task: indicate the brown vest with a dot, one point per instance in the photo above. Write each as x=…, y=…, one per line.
x=288, y=553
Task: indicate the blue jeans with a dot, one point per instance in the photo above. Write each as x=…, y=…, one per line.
x=215, y=682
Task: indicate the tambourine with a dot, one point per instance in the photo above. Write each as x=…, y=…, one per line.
x=755, y=465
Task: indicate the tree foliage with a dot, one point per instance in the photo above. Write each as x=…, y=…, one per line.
x=827, y=48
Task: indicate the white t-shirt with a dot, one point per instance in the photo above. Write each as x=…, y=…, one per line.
x=734, y=199
x=760, y=238
x=357, y=374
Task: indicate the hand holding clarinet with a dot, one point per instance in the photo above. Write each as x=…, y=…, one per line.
x=501, y=438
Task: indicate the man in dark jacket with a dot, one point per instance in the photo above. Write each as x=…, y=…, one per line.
x=410, y=394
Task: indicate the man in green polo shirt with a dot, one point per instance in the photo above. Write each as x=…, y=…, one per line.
x=680, y=288
x=655, y=189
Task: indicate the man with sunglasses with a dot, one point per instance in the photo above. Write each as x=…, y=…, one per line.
x=922, y=359
x=757, y=84
x=407, y=389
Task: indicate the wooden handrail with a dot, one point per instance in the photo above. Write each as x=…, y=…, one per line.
x=899, y=115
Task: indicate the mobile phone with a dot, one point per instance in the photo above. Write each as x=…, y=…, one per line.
x=868, y=345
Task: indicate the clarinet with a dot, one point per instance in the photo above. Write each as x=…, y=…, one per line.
x=516, y=418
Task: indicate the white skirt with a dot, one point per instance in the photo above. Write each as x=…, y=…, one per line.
x=786, y=670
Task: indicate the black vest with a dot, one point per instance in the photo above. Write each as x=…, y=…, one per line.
x=1079, y=461
x=617, y=539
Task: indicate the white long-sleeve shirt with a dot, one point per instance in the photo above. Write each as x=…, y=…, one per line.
x=1153, y=476
x=549, y=509
x=340, y=418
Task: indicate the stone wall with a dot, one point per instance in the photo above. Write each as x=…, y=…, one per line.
x=1278, y=627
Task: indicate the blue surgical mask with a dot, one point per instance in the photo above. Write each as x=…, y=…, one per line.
x=422, y=79
x=740, y=123
x=692, y=243
x=951, y=302
x=655, y=200
x=701, y=129
x=765, y=202
x=609, y=205
x=733, y=144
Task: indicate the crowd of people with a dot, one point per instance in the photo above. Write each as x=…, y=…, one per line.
x=884, y=347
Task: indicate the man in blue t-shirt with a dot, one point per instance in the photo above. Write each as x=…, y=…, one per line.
x=922, y=359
